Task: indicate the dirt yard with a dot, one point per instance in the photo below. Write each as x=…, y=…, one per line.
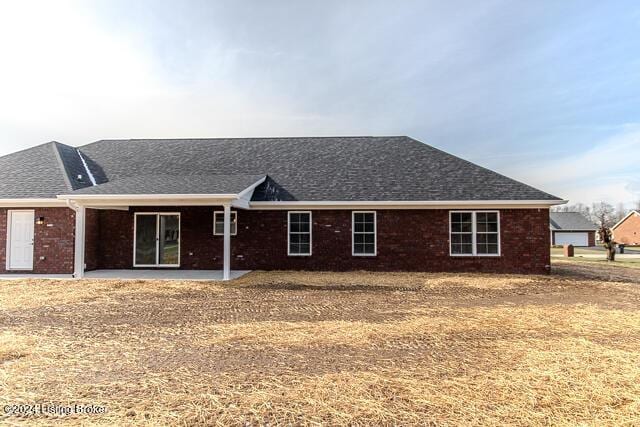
x=354, y=348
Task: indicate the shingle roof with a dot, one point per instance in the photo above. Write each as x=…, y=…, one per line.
x=43, y=171
x=316, y=169
x=570, y=221
x=395, y=168
x=172, y=184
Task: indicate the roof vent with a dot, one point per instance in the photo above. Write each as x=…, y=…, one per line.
x=80, y=177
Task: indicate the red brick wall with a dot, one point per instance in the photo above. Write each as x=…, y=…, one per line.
x=92, y=239
x=629, y=231
x=53, y=240
x=409, y=240
x=115, y=247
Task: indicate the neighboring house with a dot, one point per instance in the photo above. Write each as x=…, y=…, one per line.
x=571, y=228
x=342, y=203
x=627, y=230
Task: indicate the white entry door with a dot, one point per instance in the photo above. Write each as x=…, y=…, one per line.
x=20, y=240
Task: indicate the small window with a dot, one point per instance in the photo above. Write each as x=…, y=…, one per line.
x=475, y=233
x=487, y=233
x=462, y=233
x=364, y=233
x=299, y=233
x=218, y=223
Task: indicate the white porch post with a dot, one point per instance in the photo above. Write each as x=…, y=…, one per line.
x=227, y=243
x=78, y=261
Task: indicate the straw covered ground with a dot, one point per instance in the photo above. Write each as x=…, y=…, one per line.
x=284, y=348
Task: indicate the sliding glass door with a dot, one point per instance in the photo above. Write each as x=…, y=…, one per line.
x=157, y=240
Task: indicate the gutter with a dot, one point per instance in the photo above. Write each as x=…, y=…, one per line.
x=416, y=204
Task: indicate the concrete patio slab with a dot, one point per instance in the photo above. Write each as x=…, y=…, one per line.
x=205, y=275
x=162, y=274
x=35, y=276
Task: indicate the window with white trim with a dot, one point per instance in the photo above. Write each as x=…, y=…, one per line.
x=363, y=226
x=218, y=223
x=474, y=233
x=299, y=230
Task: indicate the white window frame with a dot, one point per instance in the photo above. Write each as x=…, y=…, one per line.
x=216, y=213
x=135, y=238
x=375, y=233
x=289, y=232
x=474, y=233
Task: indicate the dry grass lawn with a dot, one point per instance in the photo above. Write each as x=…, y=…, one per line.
x=318, y=348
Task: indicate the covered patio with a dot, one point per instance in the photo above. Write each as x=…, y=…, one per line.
x=157, y=235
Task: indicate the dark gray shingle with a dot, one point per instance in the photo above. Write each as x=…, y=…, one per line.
x=37, y=172
x=172, y=184
x=570, y=221
x=395, y=168
x=315, y=169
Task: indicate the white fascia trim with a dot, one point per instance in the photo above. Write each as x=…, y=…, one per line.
x=426, y=204
x=146, y=196
x=199, y=196
x=95, y=201
x=625, y=218
x=240, y=204
x=17, y=203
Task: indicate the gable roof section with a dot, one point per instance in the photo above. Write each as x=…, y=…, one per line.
x=323, y=169
x=40, y=172
x=316, y=169
x=570, y=221
x=625, y=218
x=173, y=184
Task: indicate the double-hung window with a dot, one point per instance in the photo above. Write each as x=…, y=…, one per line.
x=474, y=233
x=364, y=233
x=299, y=230
x=218, y=223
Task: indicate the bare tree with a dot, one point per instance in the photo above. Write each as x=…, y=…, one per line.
x=637, y=205
x=604, y=215
x=620, y=213
x=606, y=237
x=578, y=207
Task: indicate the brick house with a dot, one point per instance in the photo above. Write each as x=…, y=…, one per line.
x=627, y=230
x=338, y=203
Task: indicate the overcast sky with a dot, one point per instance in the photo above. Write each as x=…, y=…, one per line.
x=547, y=92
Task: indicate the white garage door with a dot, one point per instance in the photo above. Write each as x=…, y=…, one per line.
x=575, y=239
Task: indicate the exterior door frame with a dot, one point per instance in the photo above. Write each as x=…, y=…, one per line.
x=9, y=237
x=135, y=238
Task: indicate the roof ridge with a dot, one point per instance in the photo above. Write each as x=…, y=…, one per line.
x=30, y=148
x=247, y=138
x=63, y=168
